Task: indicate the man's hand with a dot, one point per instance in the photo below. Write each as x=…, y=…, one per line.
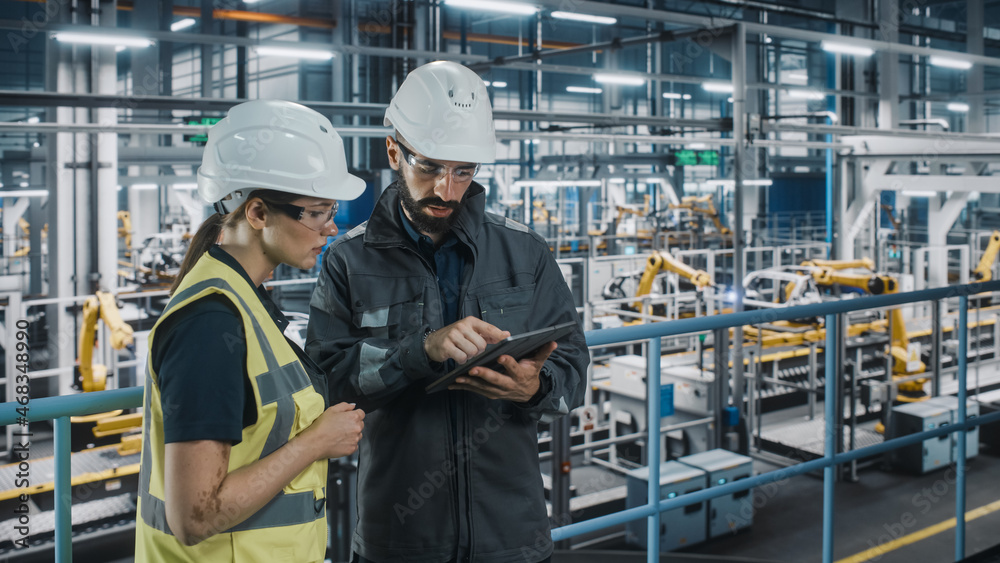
x=462, y=340
x=519, y=383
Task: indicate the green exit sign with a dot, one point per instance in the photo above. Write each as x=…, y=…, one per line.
x=687, y=157
x=200, y=138
x=710, y=158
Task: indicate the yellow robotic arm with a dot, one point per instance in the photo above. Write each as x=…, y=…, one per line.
x=705, y=206
x=899, y=345
x=865, y=263
x=665, y=261
x=984, y=271
x=125, y=231
x=94, y=376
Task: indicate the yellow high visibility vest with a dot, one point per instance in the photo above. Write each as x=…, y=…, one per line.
x=292, y=526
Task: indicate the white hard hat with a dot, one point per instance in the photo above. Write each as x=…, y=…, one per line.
x=443, y=110
x=274, y=145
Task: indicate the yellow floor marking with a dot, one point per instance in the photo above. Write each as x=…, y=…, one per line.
x=919, y=535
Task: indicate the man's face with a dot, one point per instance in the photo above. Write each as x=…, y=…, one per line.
x=431, y=191
x=431, y=214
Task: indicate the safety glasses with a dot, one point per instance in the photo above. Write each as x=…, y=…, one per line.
x=315, y=219
x=430, y=170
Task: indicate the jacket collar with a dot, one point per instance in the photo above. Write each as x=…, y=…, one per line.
x=384, y=227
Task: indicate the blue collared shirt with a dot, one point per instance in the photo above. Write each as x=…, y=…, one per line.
x=449, y=265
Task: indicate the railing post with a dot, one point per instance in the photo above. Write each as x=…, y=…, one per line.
x=653, y=447
x=963, y=357
x=830, y=397
x=63, y=491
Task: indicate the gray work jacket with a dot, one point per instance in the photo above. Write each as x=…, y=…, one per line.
x=448, y=475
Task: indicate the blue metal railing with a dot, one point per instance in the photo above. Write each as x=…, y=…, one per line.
x=829, y=311
x=61, y=408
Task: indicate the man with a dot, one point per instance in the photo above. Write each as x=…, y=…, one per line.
x=426, y=283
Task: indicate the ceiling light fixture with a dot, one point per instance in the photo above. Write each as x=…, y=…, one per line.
x=516, y=8
x=182, y=24
x=588, y=18
x=294, y=53
x=95, y=39
x=958, y=107
x=718, y=87
x=24, y=193
x=672, y=95
x=805, y=94
x=622, y=79
x=945, y=62
x=846, y=49
x=583, y=90
x=557, y=183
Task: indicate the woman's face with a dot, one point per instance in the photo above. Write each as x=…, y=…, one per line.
x=297, y=241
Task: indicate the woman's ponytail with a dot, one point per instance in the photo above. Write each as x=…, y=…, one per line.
x=207, y=235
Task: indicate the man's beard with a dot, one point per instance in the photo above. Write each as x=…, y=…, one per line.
x=422, y=221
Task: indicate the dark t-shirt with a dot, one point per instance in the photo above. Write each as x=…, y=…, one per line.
x=199, y=356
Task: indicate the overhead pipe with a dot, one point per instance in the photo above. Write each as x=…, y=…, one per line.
x=233, y=15
x=614, y=44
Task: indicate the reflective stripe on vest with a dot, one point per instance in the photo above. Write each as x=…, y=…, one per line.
x=275, y=386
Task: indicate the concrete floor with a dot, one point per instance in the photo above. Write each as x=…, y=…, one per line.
x=881, y=507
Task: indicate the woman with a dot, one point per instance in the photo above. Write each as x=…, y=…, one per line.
x=236, y=438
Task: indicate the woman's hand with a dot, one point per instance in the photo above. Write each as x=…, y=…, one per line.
x=336, y=432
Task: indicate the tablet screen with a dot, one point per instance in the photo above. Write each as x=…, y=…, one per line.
x=518, y=346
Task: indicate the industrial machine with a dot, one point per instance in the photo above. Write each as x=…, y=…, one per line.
x=680, y=527
x=125, y=231
x=93, y=376
x=658, y=265
x=972, y=435
x=733, y=512
x=928, y=455
x=702, y=205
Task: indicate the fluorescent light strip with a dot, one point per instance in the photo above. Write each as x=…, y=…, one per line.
x=602, y=20
x=294, y=52
x=623, y=79
x=182, y=24
x=557, y=183
x=805, y=94
x=918, y=193
x=945, y=62
x=672, y=95
x=697, y=146
x=495, y=6
x=24, y=193
x=718, y=87
x=583, y=90
x=95, y=39
x=144, y=187
x=958, y=107
x=732, y=183
x=846, y=49
x=498, y=84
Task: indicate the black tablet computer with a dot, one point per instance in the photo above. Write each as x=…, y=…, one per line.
x=518, y=346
